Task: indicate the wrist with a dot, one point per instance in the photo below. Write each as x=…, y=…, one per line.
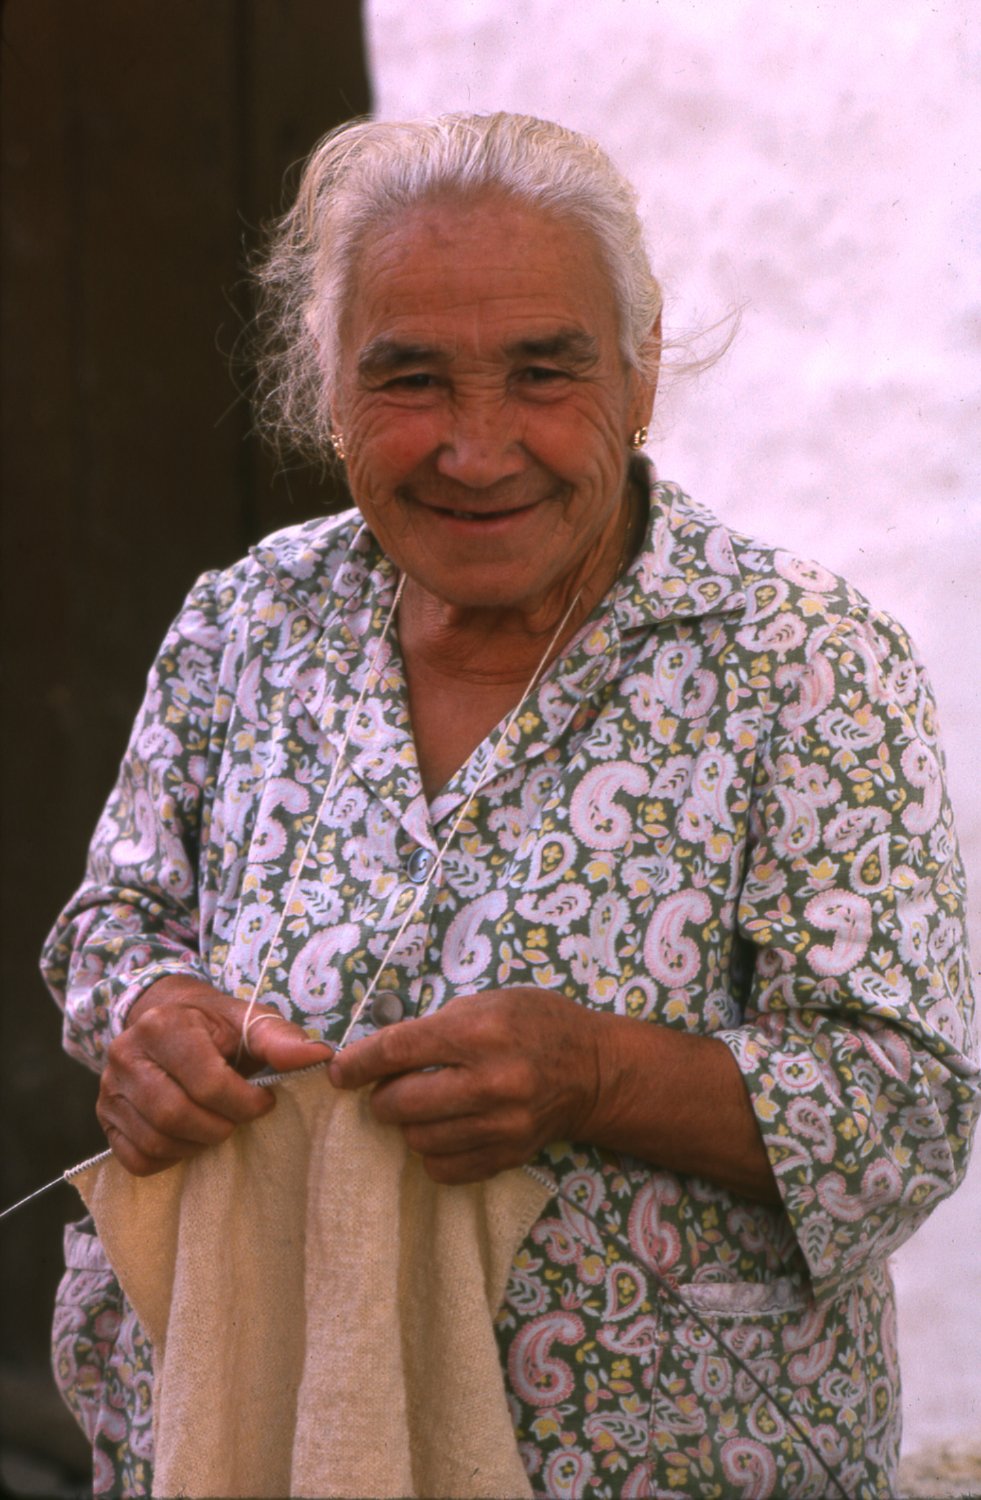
x=602, y=1084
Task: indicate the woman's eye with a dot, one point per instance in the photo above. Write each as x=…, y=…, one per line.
x=419, y=380
x=542, y=374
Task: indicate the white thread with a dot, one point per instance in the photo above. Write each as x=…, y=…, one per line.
x=251, y=1019
x=305, y=855
x=256, y=1020
x=438, y=861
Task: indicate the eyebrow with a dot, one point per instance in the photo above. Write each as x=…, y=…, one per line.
x=386, y=356
x=568, y=344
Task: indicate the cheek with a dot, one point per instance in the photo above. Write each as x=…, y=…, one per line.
x=585, y=444
x=385, y=446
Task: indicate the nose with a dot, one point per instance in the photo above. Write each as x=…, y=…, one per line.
x=481, y=445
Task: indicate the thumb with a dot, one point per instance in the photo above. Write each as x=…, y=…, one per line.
x=270, y=1041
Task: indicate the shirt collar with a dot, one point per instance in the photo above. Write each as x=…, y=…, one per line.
x=685, y=569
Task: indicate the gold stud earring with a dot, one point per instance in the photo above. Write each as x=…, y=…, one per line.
x=638, y=438
x=337, y=443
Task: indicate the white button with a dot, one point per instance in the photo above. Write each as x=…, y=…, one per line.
x=387, y=1008
x=419, y=864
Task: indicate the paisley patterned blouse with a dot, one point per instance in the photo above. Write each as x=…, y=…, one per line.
x=723, y=810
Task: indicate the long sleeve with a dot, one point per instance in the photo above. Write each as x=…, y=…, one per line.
x=857, y=1047
x=136, y=917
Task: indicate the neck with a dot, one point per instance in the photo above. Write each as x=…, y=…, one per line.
x=497, y=645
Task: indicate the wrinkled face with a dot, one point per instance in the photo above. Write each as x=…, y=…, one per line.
x=485, y=406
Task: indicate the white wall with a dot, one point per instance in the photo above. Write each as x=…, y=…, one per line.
x=818, y=163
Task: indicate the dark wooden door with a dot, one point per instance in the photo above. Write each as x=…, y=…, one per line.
x=143, y=143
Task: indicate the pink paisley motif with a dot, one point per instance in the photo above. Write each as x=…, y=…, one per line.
x=558, y=909
x=657, y=1243
x=815, y=690
x=538, y=1376
x=806, y=574
x=560, y=1244
x=799, y=830
x=922, y=771
x=815, y=783
x=845, y=731
x=764, y=598
x=670, y=957
x=809, y=1121
x=637, y=1485
x=637, y=1338
x=137, y=850
x=672, y=667
x=550, y=859
x=247, y=691
x=567, y=1474
x=673, y=779
x=156, y=740
x=630, y=1433
x=715, y=772
x=871, y=870
x=750, y=1466
x=606, y=922
x=270, y=838
x=849, y=917
x=587, y=1189
x=467, y=951
x=781, y=635
x=807, y=1330
x=805, y=1367
x=881, y=1184
x=845, y=831
x=712, y=1377
x=626, y=1288
x=315, y=982
x=597, y=819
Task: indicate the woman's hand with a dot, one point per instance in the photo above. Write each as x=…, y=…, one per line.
x=520, y=1068
x=516, y=1068
x=170, y=1086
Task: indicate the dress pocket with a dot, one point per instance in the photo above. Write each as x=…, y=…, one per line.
x=762, y=1392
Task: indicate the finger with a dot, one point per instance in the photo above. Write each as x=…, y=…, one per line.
x=137, y=1162
x=273, y=1042
x=408, y=1046
x=166, y=1110
x=446, y=1093
x=195, y=1060
x=139, y=1145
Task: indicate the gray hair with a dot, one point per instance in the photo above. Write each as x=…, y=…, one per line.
x=369, y=171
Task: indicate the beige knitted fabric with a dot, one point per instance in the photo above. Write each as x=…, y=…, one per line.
x=320, y=1310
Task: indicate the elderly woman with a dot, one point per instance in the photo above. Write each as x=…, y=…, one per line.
x=602, y=838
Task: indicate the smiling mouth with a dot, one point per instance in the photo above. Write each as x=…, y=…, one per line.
x=484, y=515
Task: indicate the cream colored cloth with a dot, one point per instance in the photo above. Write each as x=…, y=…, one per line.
x=321, y=1312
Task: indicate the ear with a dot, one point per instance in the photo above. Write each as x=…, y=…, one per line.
x=645, y=386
